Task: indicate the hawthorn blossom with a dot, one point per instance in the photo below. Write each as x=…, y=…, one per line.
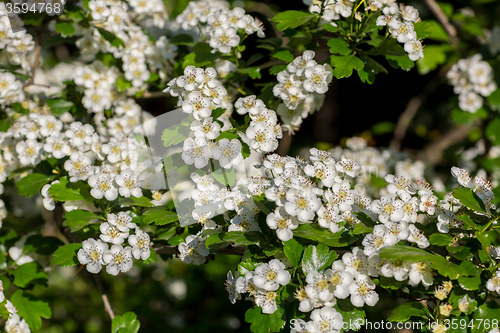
x=91, y=254
x=129, y=184
x=193, y=250
x=118, y=259
x=102, y=186
x=283, y=223
x=269, y=276
x=228, y=153
x=140, y=244
x=363, y=291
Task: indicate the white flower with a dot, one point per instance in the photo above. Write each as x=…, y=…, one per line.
x=102, y=186
x=198, y=105
x=341, y=196
x=195, y=152
x=266, y=300
x=417, y=236
x=262, y=137
x=356, y=262
x=193, y=250
x=231, y=289
x=326, y=320
x=493, y=284
x=118, y=259
x=50, y=126
x=122, y=221
x=57, y=146
x=249, y=104
x=348, y=167
x=283, y=223
x=328, y=218
x=414, y=49
x=302, y=203
x=140, y=244
x=388, y=208
x=378, y=239
x=48, y=202
x=421, y=273
x=206, y=128
x=228, y=153
x=299, y=64
x=80, y=134
x=193, y=77
x=470, y=101
x=111, y=234
x=318, y=287
x=29, y=152
x=340, y=279
x=363, y=291
x=462, y=176
x=410, y=208
x=223, y=39
x=317, y=78
x=91, y=254
x=14, y=324
x=269, y=276
x=129, y=183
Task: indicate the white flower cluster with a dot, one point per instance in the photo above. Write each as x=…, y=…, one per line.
x=332, y=9
x=14, y=323
x=301, y=87
x=261, y=284
x=95, y=253
x=139, y=54
x=218, y=24
x=17, y=45
x=472, y=78
x=200, y=92
x=326, y=319
x=400, y=19
x=493, y=284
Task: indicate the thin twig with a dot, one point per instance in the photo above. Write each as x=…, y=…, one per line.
x=107, y=305
x=443, y=19
x=434, y=152
x=285, y=144
x=38, y=51
x=412, y=107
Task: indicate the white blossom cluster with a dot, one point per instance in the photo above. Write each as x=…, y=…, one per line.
x=16, y=45
x=117, y=258
x=261, y=284
x=400, y=19
x=14, y=323
x=472, y=79
x=332, y=10
x=301, y=87
x=220, y=25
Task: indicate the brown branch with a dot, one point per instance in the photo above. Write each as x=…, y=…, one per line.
x=107, y=305
x=38, y=51
x=170, y=249
x=443, y=19
x=412, y=107
x=434, y=152
x=285, y=144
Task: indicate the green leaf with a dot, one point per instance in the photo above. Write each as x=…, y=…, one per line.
x=30, y=309
x=470, y=283
x=253, y=72
x=434, y=55
x=494, y=99
x=60, y=192
x=203, y=53
x=31, y=184
x=264, y=323
x=65, y=28
x=284, y=55
x=463, y=117
x=407, y=310
x=275, y=70
x=430, y=29
x=226, y=177
x=79, y=218
x=243, y=237
x=470, y=268
x=487, y=312
x=4, y=125
x=446, y=268
x=26, y=273
x=182, y=39
x=400, y=61
x=344, y=65
x=360, y=228
x=467, y=221
x=330, y=28
x=339, y=46
x=213, y=239
x=324, y=236
x=126, y=323
x=66, y=255
x=317, y=258
x=404, y=252
x=175, y=134
x=293, y=251
x=292, y=19
x=440, y=239
x=493, y=131
x=160, y=216
x=123, y=84
x=216, y=113
x=111, y=37
x=469, y=199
